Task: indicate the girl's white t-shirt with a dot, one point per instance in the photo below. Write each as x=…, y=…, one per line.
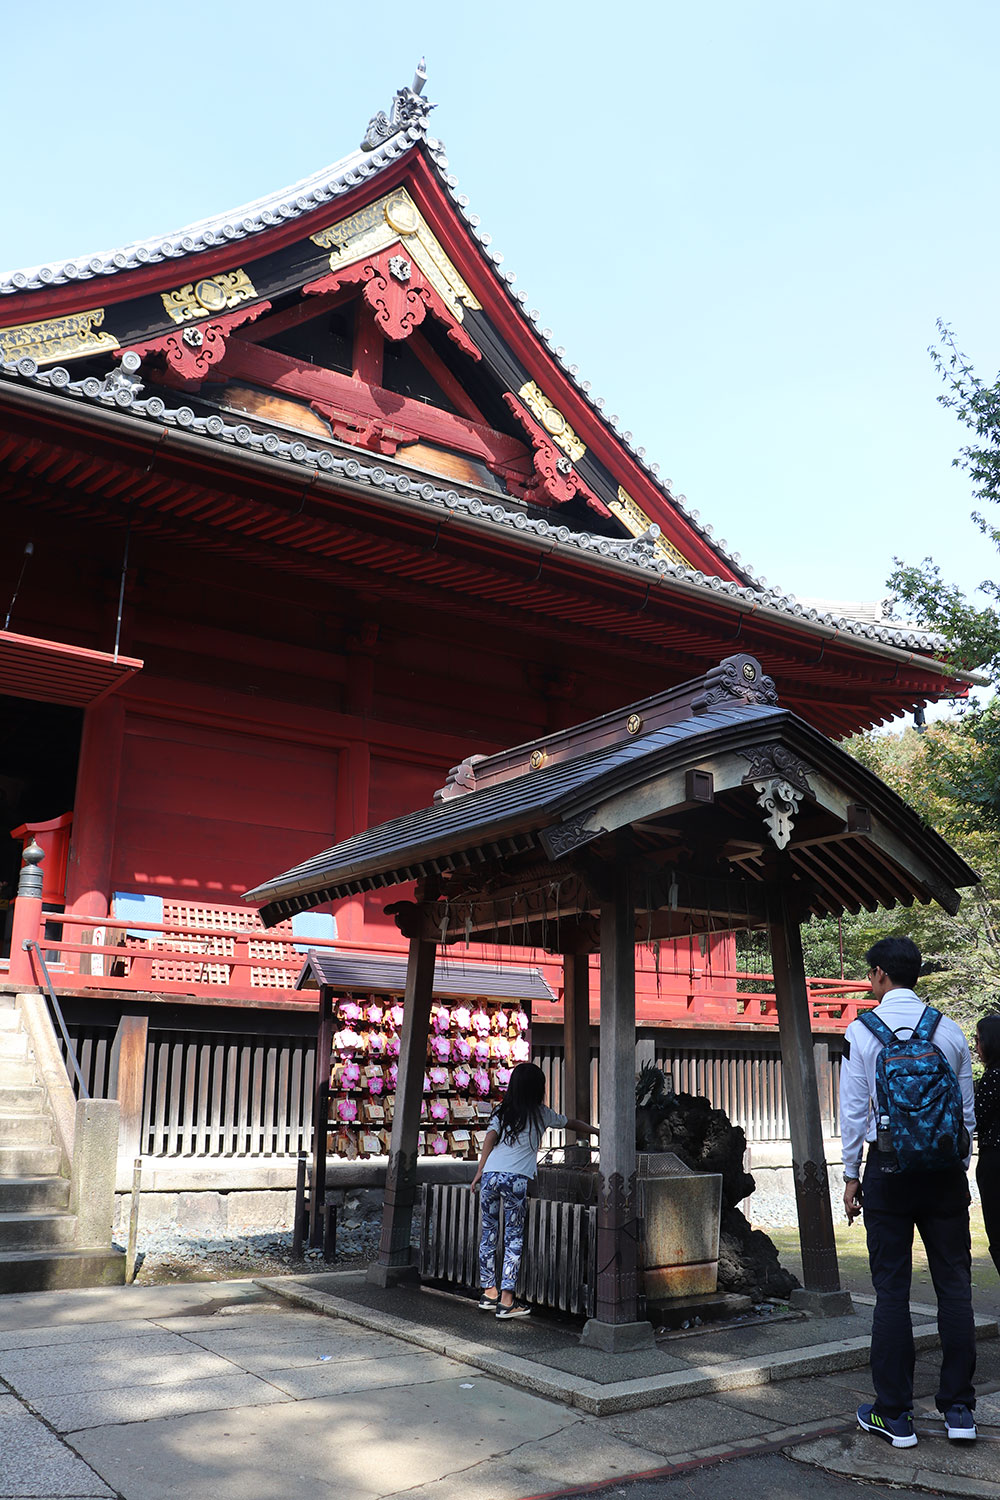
x=520, y=1156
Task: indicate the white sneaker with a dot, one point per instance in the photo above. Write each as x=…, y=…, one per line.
x=960, y=1424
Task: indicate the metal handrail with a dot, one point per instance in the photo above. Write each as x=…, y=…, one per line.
x=30, y=946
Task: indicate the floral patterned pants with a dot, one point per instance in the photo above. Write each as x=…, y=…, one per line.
x=512, y=1191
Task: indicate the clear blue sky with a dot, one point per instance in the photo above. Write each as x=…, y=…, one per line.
x=740, y=219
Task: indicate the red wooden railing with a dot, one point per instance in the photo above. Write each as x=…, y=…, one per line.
x=216, y=953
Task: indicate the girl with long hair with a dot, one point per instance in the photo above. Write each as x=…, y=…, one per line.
x=988, y=1130
x=511, y=1149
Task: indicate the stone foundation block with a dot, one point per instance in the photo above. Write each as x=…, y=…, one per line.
x=203, y=1213
x=261, y=1211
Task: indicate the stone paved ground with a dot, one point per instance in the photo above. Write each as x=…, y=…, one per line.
x=219, y=1392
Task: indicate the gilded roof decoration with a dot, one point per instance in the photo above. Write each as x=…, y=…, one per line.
x=628, y=551
x=326, y=186
x=397, y=217
x=635, y=518
x=214, y=294
x=57, y=338
x=552, y=420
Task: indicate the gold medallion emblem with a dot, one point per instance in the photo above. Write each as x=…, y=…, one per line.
x=633, y=723
x=536, y=759
x=210, y=295
x=401, y=215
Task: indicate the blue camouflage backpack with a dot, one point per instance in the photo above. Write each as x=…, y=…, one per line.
x=918, y=1097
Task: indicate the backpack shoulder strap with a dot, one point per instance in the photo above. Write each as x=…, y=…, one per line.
x=927, y=1025
x=877, y=1027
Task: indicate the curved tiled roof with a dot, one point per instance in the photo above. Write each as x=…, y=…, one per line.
x=303, y=198
x=122, y=389
x=208, y=234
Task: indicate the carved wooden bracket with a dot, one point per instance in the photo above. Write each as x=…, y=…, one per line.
x=557, y=481
x=561, y=838
x=397, y=292
x=780, y=803
x=361, y=432
x=191, y=351
x=776, y=760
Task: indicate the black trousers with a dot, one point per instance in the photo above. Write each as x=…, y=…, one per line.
x=988, y=1182
x=936, y=1204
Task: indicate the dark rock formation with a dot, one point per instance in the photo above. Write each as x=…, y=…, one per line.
x=706, y=1141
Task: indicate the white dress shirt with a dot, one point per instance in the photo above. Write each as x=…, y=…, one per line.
x=900, y=1010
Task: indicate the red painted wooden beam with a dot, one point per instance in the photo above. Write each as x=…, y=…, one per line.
x=369, y=402
x=369, y=347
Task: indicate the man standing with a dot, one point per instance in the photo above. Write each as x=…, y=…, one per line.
x=895, y=1202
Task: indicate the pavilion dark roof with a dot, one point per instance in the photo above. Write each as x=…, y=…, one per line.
x=452, y=978
x=499, y=820
x=505, y=819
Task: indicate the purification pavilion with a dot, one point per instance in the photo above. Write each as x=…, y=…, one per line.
x=303, y=505
x=708, y=808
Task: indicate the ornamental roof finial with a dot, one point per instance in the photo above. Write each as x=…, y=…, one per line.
x=409, y=107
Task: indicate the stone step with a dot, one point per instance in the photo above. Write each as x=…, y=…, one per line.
x=9, y=1018
x=22, y=1195
x=21, y=1098
x=13, y=1044
x=36, y=1231
x=25, y=1130
x=29, y=1161
x=16, y=1072
x=46, y=1270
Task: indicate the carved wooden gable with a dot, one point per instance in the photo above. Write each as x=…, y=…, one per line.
x=374, y=317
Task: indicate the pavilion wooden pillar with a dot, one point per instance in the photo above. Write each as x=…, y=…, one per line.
x=821, y=1291
x=576, y=1036
x=395, y=1258
x=615, y=1326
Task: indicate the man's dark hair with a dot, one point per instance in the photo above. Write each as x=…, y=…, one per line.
x=899, y=957
x=988, y=1033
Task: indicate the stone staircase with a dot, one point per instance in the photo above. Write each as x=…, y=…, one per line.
x=38, y=1233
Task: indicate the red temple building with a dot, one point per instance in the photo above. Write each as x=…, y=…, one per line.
x=302, y=509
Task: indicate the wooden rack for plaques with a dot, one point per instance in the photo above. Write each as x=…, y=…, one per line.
x=356, y=1048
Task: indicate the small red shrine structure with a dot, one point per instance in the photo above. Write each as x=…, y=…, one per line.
x=302, y=508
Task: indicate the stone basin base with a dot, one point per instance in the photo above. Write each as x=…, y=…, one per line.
x=682, y=1211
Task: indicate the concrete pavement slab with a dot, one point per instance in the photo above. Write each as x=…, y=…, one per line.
x=63, y=1335
x=578, y=1455
x=114, y=1371
x=359, y=1445
x=271, y=1320
x=303, y=1352
x=935, y=1464
x=107, y=1304
x=145, y=1403
x=795, y=1401
x=365, y=1375
x=232, y=1346
x=68, y=1356
x=34, y=1462
x=686, y=1426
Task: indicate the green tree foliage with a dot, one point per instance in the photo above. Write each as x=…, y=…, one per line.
x=950, y=774
x=961, y=952
x=972, y=630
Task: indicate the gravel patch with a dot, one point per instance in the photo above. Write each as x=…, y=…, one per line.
x=171, y=1253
